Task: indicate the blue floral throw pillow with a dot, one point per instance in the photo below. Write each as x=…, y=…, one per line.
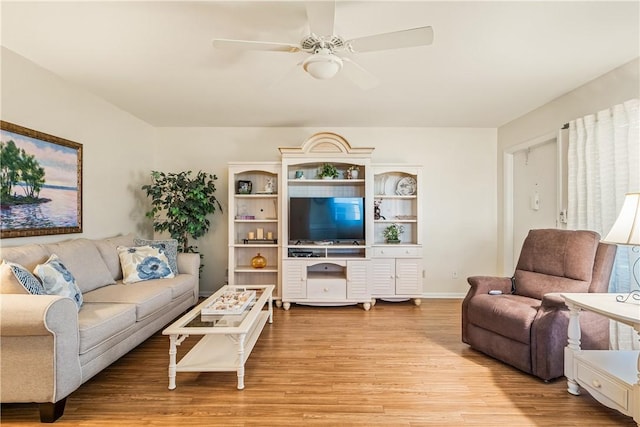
x=141, y=263
x=168, y=247
x=57, y=280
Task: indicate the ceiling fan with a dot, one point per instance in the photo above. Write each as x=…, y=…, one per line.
x=324, y=46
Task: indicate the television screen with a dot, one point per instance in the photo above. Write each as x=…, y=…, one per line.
x=326, y=218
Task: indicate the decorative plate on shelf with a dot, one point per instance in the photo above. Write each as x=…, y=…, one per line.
x=406, y=187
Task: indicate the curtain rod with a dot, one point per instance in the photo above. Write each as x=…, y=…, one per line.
x=565, y=126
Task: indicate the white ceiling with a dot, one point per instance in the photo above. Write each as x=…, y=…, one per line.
x=490, y=62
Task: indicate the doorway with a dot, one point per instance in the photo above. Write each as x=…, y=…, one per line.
x=533, y=195
x=534, y=191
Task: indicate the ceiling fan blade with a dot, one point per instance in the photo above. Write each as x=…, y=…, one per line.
x=255, y=45
x=287, y=76
x=420, y=36
x=358, y=75
x=321, y=16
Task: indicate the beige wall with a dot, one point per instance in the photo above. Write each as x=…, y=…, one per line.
x=618, y=85
x=117, y=147
x=460, y=195
x=459, y=188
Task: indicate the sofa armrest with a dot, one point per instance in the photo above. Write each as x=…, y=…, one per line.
x=189, y=263
x=40, y=344
x=484, y=284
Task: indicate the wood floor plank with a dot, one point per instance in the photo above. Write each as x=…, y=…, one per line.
x=395, y=365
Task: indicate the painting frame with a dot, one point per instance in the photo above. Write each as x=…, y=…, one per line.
x=69, y=152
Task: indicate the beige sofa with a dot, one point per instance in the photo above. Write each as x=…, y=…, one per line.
x=50, y=348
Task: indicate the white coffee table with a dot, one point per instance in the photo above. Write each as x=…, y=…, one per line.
x=227, y=340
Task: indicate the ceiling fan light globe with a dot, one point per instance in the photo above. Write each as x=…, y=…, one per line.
x=322, y=66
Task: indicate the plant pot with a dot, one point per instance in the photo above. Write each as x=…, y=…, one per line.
x=327, y=177
x=393, y=241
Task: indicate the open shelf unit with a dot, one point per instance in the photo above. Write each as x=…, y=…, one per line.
x=254, y=223
x=398, y=268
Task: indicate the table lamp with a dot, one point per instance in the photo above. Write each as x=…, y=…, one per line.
x=626, y=231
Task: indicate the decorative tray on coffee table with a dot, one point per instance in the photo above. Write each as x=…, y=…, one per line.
x=230, y=302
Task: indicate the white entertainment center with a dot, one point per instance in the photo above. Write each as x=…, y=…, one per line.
x=320, y=270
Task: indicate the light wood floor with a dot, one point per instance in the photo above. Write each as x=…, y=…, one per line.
x=395, y=365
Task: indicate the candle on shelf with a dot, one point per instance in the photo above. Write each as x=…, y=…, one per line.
x=252, y=235
x=260, y=233
x=269, y=235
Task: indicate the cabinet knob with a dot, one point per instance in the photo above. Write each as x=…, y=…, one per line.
x=596, y=383
x=325, y=290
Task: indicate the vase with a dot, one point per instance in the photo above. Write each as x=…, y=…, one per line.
x=258, y=261
x=354, y=174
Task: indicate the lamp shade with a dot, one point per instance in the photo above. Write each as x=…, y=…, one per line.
x=322, y=65
x=626, y=229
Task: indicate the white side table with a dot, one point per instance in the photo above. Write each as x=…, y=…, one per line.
x=610, y=376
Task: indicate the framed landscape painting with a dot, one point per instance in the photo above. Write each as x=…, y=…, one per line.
x=40, y=183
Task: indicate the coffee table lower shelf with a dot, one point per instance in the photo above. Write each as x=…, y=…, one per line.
x=217, y=352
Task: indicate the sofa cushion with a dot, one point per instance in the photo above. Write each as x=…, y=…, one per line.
x=97, y=322
x=82, y=258
x=141, y=263
x=58, y=280
x=16, y=279
x=108, y=248
x=148, y=296
x=508, y=315
x=168, y=247
x=28, y=255
x=179, y=285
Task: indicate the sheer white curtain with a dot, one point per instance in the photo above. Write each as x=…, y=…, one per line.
x=603, y=165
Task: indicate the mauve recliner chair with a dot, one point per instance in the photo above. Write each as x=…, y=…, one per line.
x=526, y=326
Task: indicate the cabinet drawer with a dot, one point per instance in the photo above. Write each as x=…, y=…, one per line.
x=602, y=387
x=326, y=288
x=396, y=251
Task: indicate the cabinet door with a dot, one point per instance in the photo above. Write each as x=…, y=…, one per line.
x=384, y=276
x=294, y=280
x=408, y=276
x=358, y=279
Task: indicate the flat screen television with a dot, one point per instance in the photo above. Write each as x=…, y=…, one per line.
x=339, y=219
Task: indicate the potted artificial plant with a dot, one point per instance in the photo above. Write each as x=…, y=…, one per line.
x=180, y=204
x=327, y=171
x=392, y=233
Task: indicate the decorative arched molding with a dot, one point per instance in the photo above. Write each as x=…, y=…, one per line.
x=324, y=143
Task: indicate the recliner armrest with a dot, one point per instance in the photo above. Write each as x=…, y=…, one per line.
x=484, y=284
x=553, y=301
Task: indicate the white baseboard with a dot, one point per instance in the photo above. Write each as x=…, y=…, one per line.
x=443, y=295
